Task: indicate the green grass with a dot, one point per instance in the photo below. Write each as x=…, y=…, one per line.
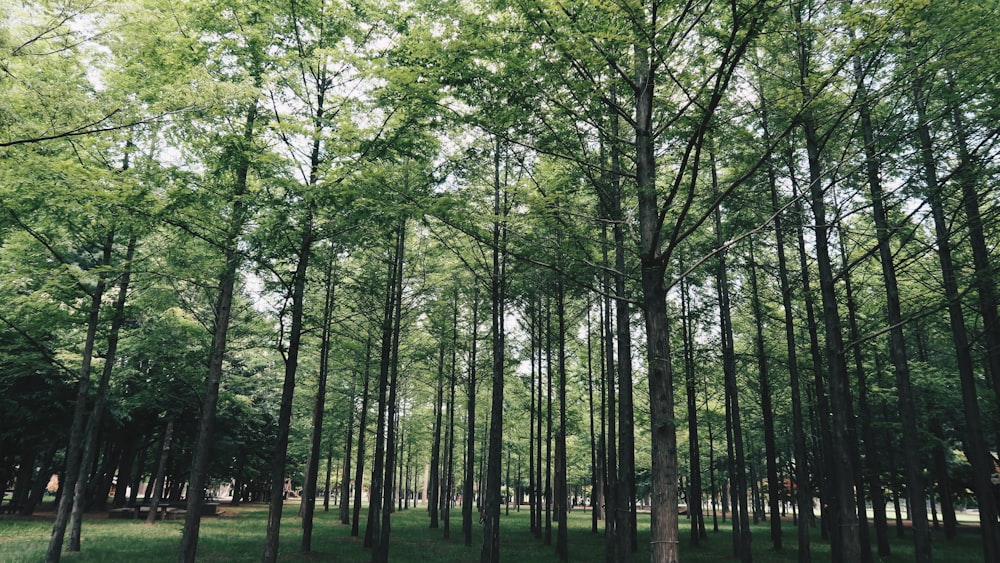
x=238, y=535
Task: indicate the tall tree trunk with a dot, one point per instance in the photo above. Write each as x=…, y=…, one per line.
x=94, y=422
x=615, y=494
x=434, y=481
x=125, y=464
x=985, y=277
x=561, y=489
x=820, y=400
x=664, y=520
x=846, y=539
x=359, y=469
x=470, y=442
x=973, y=437
x=345, y=476
x=626, y=516
x=491, y=514
x=308, y=501
x=411, y=478
x=280, y=454
x=731, y=481
x=711, y=468
x=449, y=486
x=864, y=533
x=549, y=376
x=873, y=470
x=77, y=428
x=40, y=481
x=944, y=486
x=801, y=474
x=540, y=489
x=345, y=473
x=611, y=493
x=767, y=411
x=380, y=553
x=939, y=461
x=596, y=452
x=400, y=465
x=99, y=496
x=507, y=495
x=897, y=353
x=480, y=487
x=756, y=503
x=377, y=487
x=161, y=471
x=22, y=477
x=532, y=484
x=694, y=498
x=741, y=522
x=137, y=476
x=238, y=216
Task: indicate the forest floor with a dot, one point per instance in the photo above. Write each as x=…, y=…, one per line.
x=238, y=535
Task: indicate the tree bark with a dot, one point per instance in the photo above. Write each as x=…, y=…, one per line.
x=854, y=333
x=280, y=454
x=626, y=510
x=596, y=453
x=345, y=473
x=711, y=469
x=611, y=492
x=449, y=486
x=944, y=487
x=308, y=501
x=663, y=518
x=549, y=376
x=985, y=277
x=77, y=429
x=124, y=470
x=40, y=481
x=561, y=489
x=380, y=553
x=801, y=475
x=820, y=400
x=223, y=308
x=767, y=411
x=94, y=422
x=741, y=519
x=470, y=441
x=434, y=480
x=694, y=453
x=161, y=470
x=533, y=507
x=973, y=437
x=359, y=471
x=491, y=512
x=846, y=539
x=377, y=487
x=897, y=346
x=345, y=476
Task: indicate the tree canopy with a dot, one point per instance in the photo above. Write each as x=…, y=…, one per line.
x=695, y=257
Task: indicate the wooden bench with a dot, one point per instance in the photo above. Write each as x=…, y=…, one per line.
x=123, y=513
x=143, y=512
x=175, y=514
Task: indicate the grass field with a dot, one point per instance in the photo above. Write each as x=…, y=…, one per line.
x=238, y=535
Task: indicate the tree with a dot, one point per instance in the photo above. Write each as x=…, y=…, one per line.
x=897, y=350
x=974, y=438
x=234, y=168
x=734, y=427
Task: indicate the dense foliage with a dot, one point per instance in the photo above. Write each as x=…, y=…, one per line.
x=693, y=257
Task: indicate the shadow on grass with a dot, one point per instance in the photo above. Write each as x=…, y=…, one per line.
x=238, y=535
